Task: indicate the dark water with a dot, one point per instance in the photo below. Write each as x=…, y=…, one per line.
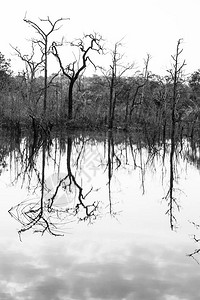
x=90, y=216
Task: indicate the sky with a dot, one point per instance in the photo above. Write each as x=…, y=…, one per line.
x=146, y=26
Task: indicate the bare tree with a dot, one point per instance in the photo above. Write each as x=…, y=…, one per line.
x=116, y=71
x=73, y=70
x=140, y=86
x=32, y=95
x=43, y=43
x=176, y=77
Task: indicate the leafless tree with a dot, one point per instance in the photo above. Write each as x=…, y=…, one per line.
x=116, y=71
x=176, y=76
x=32, y=96
x=90, y=42
x=140, y=86
x=44, y=45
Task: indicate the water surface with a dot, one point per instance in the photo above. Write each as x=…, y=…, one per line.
x=89, y=217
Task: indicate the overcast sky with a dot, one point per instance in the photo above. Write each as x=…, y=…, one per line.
x=148, y=26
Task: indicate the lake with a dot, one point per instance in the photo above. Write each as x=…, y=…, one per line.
x=98, y=216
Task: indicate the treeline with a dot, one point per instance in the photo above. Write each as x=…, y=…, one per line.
x=138, y=101
x=112, y=99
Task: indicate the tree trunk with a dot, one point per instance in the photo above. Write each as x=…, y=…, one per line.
x=70, y=100
x=45, y=76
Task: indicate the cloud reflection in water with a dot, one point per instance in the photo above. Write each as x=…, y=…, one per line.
x=86, y=268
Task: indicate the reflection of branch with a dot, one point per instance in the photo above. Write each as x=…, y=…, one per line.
x=193, y=254
x=110, y=166
x=196, y=240
x=44, y=215
x=141, y=167
x=172, y=201
x=51, y=200
x=27, y=157
x=89, y=209
x=172, y=204
x=34, y=215
x=29, y=152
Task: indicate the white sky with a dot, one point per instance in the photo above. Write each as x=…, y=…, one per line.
x=148, y=26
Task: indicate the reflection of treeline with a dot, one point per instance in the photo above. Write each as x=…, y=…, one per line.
x=24, y=147
x=31, y=154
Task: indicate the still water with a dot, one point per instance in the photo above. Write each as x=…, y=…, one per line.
x=90, y=217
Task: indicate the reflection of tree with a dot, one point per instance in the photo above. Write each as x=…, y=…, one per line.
x=3, y=164
x=170, y=197
x=114, y=161
x=9, y=146
x=135, y=153
x=111, y=154
x=25, y=159
x=90, y=210
x=44, y=215
x=34, y=215
x=110, y=166
x=192, y=153
x=194, y=254
x=145, y=155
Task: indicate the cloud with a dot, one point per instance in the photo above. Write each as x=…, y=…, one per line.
x=142, y=273
x=5, y=296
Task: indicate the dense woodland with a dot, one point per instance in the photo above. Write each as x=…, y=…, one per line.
x=110, y=99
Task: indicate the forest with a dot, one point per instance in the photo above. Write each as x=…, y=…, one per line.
x=109, y=99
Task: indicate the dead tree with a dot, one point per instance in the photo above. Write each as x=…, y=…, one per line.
x=140, y=86
x=44, y=46
x=112, y=96
x=31, y=96
x=176, y=76
x=116, y=71
x=73, y=70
